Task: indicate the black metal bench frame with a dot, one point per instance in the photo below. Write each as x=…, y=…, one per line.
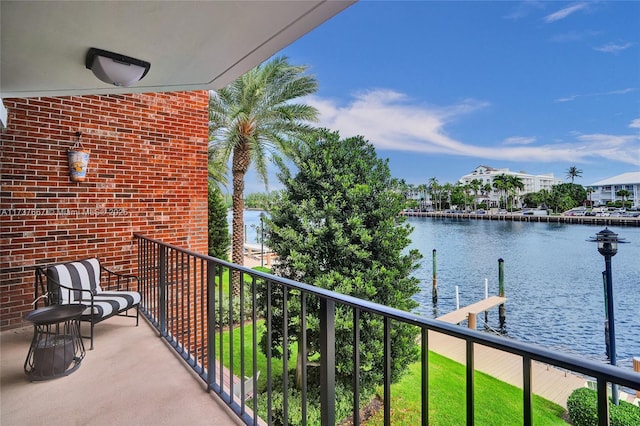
x=49, y=290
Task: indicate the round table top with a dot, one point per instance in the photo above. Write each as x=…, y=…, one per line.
x=55, y=313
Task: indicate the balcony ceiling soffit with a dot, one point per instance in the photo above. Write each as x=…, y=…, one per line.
x=191, y=45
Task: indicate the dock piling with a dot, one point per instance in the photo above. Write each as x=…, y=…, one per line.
x=434, y=290
x=502, y=314
x=636, y=368
x=486, y=296
x=472, y=320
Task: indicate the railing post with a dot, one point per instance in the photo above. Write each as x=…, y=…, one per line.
x=327, y=362
x=470, y=384
x=603, y=402
x=162, y=289
x=527, y=403
x=211, y=328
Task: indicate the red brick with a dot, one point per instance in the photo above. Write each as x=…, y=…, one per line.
x=148, y=159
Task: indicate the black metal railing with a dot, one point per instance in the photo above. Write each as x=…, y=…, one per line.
x=183, y=298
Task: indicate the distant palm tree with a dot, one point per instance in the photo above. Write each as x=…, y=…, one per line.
x=433, y=191
x=254, y=117
x=500, y=185
x=486, y=191
x=475, y=186
x=573, y=172
x=590, y=191
x=447, y=188
x=514, y=186
x=422, y=190
x=624, y=194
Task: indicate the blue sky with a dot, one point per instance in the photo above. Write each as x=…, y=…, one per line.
x=442, y=87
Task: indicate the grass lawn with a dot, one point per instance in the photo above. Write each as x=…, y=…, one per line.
x=276, y=364
x=497, y=403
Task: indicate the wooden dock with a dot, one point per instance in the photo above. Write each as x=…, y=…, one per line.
x=457, y=316
x=260, y=252
x=549, y=382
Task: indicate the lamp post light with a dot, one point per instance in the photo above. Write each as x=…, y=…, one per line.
x=608, y=247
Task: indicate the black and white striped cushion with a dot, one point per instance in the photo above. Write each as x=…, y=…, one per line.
x=82, y=275
x=108, y=303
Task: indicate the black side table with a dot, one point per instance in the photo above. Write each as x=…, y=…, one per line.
x=57, y=348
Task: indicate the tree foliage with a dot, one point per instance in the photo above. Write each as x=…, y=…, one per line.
x=252, y=119
x=573, y=172
x=217, y=224
x=337, y=226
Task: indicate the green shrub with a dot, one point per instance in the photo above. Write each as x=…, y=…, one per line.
x=582, y=405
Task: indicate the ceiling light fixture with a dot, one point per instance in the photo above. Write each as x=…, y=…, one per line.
x=114, y=68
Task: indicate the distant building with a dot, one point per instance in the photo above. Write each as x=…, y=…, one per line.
x=605, y=190
x=486, y=174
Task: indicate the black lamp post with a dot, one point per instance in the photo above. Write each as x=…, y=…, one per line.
x=608, y=247
x=262, y=240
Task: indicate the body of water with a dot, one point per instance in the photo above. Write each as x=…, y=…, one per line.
x=553, y=279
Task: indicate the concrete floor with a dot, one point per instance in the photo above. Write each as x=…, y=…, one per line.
x=130, y=378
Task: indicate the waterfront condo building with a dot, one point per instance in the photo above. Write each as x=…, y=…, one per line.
x=486, y=175
x=607, y=190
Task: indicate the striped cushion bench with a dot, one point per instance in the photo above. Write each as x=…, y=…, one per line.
x=104, y=292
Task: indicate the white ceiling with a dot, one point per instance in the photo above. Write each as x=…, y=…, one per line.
x=191, y=45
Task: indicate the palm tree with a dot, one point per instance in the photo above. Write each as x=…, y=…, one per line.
x=217, y=166
x=433, y=191
x=447, y=188
x=590, y=191
x=514, y=186
x=475, y=186
x=573, y=172
x=254, y=117
x=500, y=184
x=486, y=191
x=624, y=194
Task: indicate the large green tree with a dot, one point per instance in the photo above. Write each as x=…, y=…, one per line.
x=566, y=196
x=337, y=226
x=254, y=118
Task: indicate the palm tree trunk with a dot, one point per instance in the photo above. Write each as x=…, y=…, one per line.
x=240, y=164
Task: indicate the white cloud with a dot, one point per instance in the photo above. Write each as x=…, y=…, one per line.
x=574, y=36
x=613, y=47
x=563, y=13
x=519, y=140
x=588, y=95
x=523, y=9
x=635, y=124
x=392, y=121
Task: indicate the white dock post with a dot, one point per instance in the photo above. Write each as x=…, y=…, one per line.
x=457, y=299
x=486, y=288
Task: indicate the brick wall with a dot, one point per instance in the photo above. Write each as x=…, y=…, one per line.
x=147, y=174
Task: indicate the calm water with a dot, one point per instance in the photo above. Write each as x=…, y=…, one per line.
x=553, y=279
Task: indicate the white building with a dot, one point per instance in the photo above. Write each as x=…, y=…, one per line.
x=485, y=174
x=606, y=190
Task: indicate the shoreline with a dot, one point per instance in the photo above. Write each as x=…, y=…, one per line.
x=517, y=217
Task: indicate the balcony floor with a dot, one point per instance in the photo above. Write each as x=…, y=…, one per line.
x=131, y=377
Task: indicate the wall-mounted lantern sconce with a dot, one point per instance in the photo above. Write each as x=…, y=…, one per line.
x=78, y=158
x=114, y=68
